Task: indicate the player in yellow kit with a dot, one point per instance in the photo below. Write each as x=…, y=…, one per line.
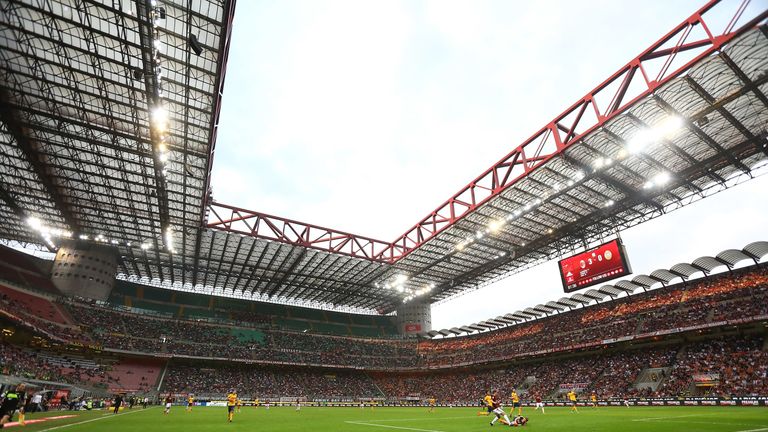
x=239, y=404
x=231, y=403
x=190, y=402
x=487, y=405
x=593, y=400
x=572, y=401
x=431, y=403
x=516, y=403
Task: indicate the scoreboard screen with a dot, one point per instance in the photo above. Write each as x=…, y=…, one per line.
x=600, y=264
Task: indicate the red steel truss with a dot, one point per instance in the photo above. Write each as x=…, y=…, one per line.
x=685, y=45
x=237, y=220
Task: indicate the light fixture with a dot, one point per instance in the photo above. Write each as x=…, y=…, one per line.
x=169, y=239
x=664, y=129
x=669, y=126
x=598, y=163
x=641, y=139
x=494, y=225
x=662, y=178
x=609, y=203
x=34, y=223
x=159, y=119
x=659, y=179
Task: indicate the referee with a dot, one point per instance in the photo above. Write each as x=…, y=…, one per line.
x=13, y=400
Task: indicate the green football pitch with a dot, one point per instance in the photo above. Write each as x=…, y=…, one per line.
x=318, y=419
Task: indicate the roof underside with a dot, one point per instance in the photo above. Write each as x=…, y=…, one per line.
x=722, y=144
x=78, y=81
x=77, y=152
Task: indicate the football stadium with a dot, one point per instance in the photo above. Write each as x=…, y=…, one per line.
x=132, y=296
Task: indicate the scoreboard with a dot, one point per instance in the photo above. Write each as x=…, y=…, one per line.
x=600, y=264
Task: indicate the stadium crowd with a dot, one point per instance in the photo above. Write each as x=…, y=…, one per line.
x=252, y=382
x=739, y=366
x=28, y=364
x=736, y=365
x=714, y=299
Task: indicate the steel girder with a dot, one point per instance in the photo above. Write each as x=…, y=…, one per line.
x=702, y=160
x=589, y=114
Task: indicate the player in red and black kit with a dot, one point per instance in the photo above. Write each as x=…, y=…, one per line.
x=498, y=411
x=539, y=403
x=519, y=420
x=168, y=403
x=12, y=401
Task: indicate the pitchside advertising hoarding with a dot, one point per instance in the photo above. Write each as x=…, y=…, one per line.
x=597, y=265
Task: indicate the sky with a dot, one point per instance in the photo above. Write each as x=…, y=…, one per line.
x=366, y=115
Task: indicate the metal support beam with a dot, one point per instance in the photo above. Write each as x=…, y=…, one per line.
x=28, y=147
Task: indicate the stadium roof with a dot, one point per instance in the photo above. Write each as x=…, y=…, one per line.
x=109, y=116
x=108, y=124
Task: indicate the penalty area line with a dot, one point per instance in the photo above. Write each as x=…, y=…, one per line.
x=103, y=417
x=391, y=427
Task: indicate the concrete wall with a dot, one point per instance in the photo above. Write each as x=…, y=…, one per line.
x=414, y=317
x=85, y=270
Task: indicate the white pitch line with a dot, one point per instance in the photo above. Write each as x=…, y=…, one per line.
x=754, y=430
x=104, y=417
x=710, y=423
x=416, y=419
x=391, y=427
x=667, y=417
